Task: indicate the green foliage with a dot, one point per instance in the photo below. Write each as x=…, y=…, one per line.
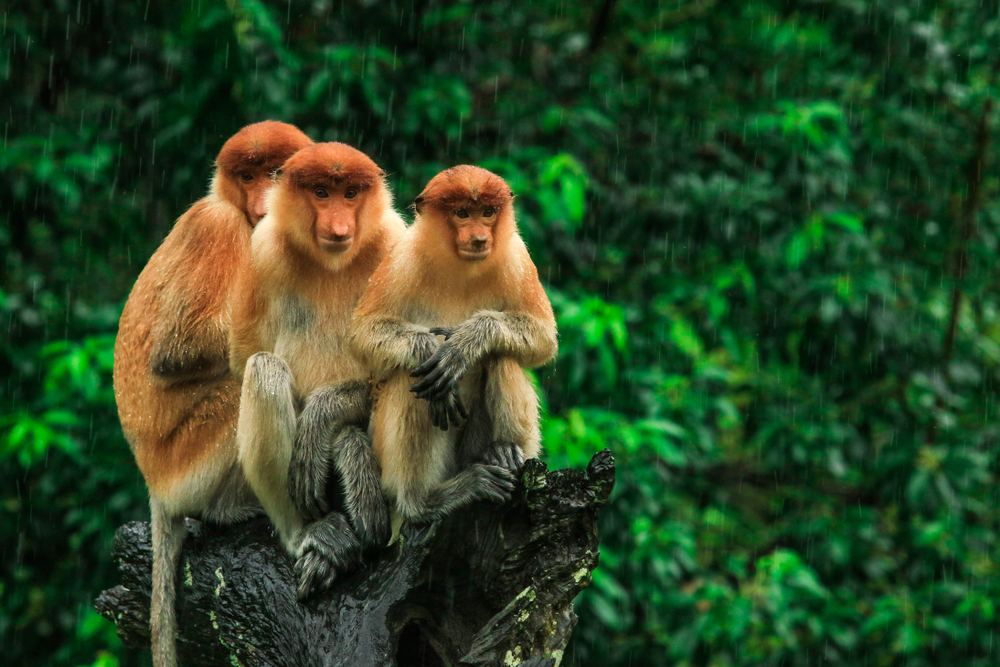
x=766, y=235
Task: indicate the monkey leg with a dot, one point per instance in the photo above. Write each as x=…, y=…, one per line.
x=477, y=482
x=361, y=477
x=503, y=421
x=265, y=433
x=327, y=412
x=418, y=460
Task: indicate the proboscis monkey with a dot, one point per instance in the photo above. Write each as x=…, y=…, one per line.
x=304, y=406
x=177, y=401
x=461, y=272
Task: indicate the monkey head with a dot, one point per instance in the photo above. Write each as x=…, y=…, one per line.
x=325, y=194
x=475, y=206
x=246, y=161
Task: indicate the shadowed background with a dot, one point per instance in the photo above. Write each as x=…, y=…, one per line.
x=767, y=229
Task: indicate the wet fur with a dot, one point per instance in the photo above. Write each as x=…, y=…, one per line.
x=502, y=322
x=294, y=305
x=177, y=401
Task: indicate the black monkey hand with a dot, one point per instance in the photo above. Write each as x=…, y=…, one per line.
x=448, y=411
x=440, y=372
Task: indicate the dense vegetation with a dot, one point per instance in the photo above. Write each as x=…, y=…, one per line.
x=767, y=228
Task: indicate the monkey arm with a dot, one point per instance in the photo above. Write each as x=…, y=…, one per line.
x=190, y=278
x=386, y=344
x=327, y=413
x=186, y=352
x=528, y=338
x=247, y=330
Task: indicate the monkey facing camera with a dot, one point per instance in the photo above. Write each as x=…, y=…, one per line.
x=457, y=305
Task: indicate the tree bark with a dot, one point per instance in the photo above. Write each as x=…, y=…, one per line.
x=489, y=585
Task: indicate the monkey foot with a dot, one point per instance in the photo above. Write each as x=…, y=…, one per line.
x=328, y=548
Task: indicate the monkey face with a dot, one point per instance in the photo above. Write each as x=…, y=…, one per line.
x=473, y=227
x=254, y=186
x=247, y=159
x=336, y=207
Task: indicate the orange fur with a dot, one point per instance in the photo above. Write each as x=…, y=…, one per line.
x=173, y=422
x=177, y=401
x=428, y=282
x=464, y=185
x=261, y=146
x=330, y=164
x=287, y=261
x=291, y=313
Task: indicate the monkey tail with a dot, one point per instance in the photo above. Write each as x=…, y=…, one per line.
x=168, y=536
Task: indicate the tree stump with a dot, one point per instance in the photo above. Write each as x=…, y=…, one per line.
x=490, y=585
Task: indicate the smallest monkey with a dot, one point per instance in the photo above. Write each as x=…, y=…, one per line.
x=461, y=273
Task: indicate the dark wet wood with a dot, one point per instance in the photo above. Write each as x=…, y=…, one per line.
x=490, y=585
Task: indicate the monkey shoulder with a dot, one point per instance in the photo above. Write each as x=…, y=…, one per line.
x=210, y=225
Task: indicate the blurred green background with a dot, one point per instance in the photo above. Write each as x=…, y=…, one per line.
x=767, y=228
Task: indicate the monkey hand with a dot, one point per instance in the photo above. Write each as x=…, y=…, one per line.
x=447, y=332
x=440, y=373
x=422, y=348
x=328, y=547
x=448, y=411
x=492, y=483
x=506, y=455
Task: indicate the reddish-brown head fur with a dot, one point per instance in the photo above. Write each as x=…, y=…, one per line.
x=329, y=164
x=246, y=161
x=475, y=205
x=327, y=190
x=465, y=185
x=264, y=145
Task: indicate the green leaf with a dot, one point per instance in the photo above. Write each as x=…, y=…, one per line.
x=684, y=337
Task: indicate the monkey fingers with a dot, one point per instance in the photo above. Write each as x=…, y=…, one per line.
x=504, y=454
x=328, y=547
x=455, y=408
x=374, y=527
x=447, y=332
x=448, y=411
x=493, y=482
x=441, y=371
x=315, y=573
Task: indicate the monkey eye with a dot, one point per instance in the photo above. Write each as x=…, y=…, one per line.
x=247, y=177
x=488, y=212
x=351, y=193
x=322, y=194
x=462, y=213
